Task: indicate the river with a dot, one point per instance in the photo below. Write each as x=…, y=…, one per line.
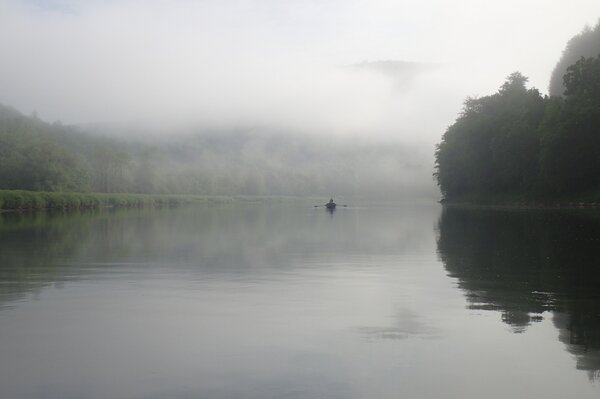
x=289, y=301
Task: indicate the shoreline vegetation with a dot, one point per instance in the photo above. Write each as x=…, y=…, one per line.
x=522, y=204
x=581, y=200
x=520, y=148
x=24, y=200
x=203, y=161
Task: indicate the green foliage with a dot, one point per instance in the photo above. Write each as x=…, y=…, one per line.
x=517, y=143
x=31, y=159
x=585, y=44
x=570, y=157
x=52, y=157
x=30, y=200
x=491, y=148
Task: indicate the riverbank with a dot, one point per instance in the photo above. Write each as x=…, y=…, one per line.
x=21, y=200
x=590, y=199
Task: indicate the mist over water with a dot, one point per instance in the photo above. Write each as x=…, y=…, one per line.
x=387, y=75
x=236, y=106
x=280, y=65
x=289, y=301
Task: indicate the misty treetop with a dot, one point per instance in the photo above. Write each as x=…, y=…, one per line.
x=585, y=44
x=570, y=156
x=32, y=160
x=489, y=149
x=35, y=155
x=516, y=142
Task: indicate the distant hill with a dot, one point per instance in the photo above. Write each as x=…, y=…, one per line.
x=401, y=72
x=585, y=44
x=36, y=155
x=32, y=156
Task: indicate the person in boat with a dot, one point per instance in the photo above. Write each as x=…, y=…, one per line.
x=330, y=204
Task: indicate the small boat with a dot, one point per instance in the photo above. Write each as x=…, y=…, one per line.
x=330, y=204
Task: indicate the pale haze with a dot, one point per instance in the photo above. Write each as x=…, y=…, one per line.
x=299, y=199
x=276, y=64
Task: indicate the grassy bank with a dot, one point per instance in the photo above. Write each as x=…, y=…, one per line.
x=11, y=200
x=17, y=200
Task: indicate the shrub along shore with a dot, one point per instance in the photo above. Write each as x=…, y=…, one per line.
x=24, y=200
x=588, y=199
x=16, y=200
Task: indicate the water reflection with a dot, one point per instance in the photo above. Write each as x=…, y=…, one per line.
x=285, y=301
x=217, y=301
x=198, y=244
x=34, y=247
x=406, y=324
x=525, y=263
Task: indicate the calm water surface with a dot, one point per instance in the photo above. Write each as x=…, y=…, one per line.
x=286, y=301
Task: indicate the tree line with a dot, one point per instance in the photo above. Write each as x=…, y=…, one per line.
x=585, y=44
x=52, y=157
x=517, y=142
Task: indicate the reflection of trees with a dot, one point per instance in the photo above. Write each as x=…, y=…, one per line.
x=33, y=249
x=40, y=249
x=525, y=263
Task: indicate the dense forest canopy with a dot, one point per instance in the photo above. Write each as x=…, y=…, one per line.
x=31, y=159
x=35, y=155
x=518, y=143
x=491, y=146
x=585, y=44
x=515, y=142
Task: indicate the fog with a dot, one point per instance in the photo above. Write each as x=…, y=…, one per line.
x=376, y=70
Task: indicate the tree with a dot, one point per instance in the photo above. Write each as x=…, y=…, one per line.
x=570, y=158
x=492, y=147
x=585, y=44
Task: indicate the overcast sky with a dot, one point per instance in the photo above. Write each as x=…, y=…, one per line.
x=282, y=64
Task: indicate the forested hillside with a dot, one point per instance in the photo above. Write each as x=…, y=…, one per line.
x=585, y=44
x=35, y=155
x=518, y=143
x=31, y=157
